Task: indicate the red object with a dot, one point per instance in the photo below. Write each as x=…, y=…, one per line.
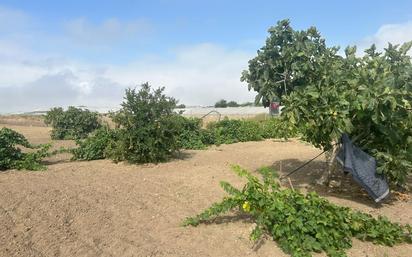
x=274, y=106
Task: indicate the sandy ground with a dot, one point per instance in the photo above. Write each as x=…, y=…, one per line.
x=100, y=208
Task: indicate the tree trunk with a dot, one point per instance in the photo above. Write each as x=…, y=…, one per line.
x=331, y=166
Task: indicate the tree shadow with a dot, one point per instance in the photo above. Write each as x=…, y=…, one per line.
x=58, y=158
x=183, y=155
x=67, y=158
x=52, y=162
x=239, y=217
x=235, y=217
x=306, y=178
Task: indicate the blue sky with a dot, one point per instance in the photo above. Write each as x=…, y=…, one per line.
x=87, y=52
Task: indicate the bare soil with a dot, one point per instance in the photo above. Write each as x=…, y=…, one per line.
x=100, y=208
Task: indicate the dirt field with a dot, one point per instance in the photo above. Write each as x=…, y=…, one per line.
x=100, y=208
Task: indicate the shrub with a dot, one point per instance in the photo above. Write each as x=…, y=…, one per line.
x=95, y=146
x=103, y=143
x=232, y=104
x=247, y=104
x=11, y=156
x=301, y=224
x=232, y=131
x=191, y=134
x=148, y=129
x=74, y=123
x=276, y=128
x=221, y=104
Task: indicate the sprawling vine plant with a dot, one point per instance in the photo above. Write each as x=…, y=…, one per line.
x=300, y=223
x=12, y=156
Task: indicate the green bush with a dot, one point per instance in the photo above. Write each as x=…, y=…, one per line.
x=276, y=128
x=187, y=133
x=232, y=104
x=301, y=224
x=95, y=146
x=148, y=129
x=74, y=123
x=232, y=131
x=221, y=104
x=191, y=134
x=11, y=156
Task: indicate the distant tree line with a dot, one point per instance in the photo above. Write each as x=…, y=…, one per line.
x=223, y=104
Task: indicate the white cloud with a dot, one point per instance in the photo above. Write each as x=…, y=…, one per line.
x=110, y=31
x=60, y=89
x=196, y=75
x=33, y=79
x=12, y=20
x=200, y=74
x=392, y=33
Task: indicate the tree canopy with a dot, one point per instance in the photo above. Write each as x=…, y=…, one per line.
x=326, y=94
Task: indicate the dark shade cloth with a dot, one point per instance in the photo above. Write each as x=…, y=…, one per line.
x=363, y=169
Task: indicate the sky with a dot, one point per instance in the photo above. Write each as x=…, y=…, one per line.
x=61, y=53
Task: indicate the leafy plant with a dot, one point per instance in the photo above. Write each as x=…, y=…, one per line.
x=75, y=123
x=103, y=143
x=95, y=146
x=326, y=95
x=181, y=106
x=191, y=134
x=148, y=129
x=12, y=157
x=232, y=104
x=289, y=60
x=277, y=128
x=246, y=104
x=301, y=224
x=232, y=131
x=221, y=104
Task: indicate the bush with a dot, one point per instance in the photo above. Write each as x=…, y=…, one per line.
x=247, y=104
x=191, y=134
x=188, y=134
x=232, y=104
x=11, y=156
x=95, y=146
x=75, y=123
x=276, y=128
x=148, y=129
x=102, y=143
x=232, y=131
x=301, y=224
x=221, y=104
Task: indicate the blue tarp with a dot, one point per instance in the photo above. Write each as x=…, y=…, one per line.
x=363, y=169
